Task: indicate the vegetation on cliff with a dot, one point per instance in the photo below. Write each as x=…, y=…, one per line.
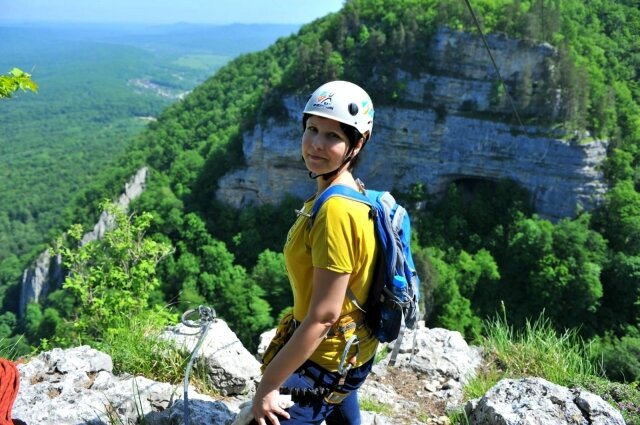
x=475, y=252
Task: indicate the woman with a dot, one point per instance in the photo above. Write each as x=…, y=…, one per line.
x=330, y=263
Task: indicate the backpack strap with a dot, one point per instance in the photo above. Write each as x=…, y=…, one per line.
x=348, y=193
x=338, y=190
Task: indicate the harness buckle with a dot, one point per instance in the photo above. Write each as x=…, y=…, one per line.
x=336, y=397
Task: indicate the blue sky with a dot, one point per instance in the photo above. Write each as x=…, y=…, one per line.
x=167, y=11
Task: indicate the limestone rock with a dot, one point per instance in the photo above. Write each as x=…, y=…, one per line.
x=46, y=275
x=230, y=367
x=76, y=386
x=442, y=133
x=537, y=401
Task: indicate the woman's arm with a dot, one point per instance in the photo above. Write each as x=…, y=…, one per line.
x=327, y=297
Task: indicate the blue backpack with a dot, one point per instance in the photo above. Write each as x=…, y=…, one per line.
x=392, y=304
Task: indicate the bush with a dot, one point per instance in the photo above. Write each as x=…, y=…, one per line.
x=620, y=358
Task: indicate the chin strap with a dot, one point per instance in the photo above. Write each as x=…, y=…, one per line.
x=327, y=176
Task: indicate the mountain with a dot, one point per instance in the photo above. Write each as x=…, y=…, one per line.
x=99, y=86
x=556, y=130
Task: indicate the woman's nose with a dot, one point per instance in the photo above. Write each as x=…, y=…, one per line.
x=316, y=141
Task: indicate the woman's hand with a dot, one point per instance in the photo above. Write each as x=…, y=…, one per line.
x=267, y=406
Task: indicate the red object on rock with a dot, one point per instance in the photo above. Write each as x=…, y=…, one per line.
x=9, y=385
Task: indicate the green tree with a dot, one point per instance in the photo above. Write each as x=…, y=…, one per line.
x=270, y=274
x=621, y=301
x=16, y=80
x=110, y=278
x=555, y=269
x=451, y=309
x=619, y=218
x=233, y=294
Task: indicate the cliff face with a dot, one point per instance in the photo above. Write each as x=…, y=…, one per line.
x=45, y=274
x=441, y=134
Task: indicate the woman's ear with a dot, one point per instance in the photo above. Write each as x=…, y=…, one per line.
x=358, y=147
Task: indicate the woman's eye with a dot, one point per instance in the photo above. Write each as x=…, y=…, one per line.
x=312, y=128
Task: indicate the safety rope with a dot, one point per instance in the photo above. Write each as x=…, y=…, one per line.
x=207, y=315
x=9, y=385
x=495, y=66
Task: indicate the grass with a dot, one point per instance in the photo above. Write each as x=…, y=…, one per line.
x=138, y=349
x=538, y=350
x=371, y=405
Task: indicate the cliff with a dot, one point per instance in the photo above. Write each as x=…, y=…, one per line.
x=45, y=274
x=446, y=128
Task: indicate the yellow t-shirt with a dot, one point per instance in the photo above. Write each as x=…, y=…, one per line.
x=342, y=240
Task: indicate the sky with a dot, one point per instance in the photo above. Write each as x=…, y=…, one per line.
x=167, y=11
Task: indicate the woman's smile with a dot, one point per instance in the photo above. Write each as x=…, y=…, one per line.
x=324, y=145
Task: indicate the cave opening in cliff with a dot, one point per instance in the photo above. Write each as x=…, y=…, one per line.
x=472, y=193
x=470, y=188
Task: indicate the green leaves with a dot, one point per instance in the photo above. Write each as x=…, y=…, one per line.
x=16, y=80
x=111, y=278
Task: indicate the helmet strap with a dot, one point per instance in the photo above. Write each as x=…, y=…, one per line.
x=330, y=174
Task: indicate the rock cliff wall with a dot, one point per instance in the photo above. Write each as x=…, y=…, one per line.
x=46, y=274
x=442, y=133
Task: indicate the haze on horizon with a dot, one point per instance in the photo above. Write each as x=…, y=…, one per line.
x=218, y=12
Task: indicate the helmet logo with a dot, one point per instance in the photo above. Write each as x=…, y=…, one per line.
x=324, y=100
x=367, y=108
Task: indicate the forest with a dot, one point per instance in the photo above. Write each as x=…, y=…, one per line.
x=477, y=257
x=98, y=86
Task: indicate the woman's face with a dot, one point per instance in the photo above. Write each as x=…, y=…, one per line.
x=324, y=145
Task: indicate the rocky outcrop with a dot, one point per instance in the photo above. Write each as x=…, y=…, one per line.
x=77, y=386
x=443, y=132
x=132, y=190
x=230, y=368
x=46, y=274
x=537, y=401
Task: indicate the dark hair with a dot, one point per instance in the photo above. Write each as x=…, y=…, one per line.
x=352, y=133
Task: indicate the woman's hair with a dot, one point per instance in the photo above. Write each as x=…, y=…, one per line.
x=352, y=133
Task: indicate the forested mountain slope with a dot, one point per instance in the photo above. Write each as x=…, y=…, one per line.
x=478, y=251
x=98, y=86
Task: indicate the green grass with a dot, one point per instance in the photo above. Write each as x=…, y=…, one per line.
x=374, y=406
x=538, y=350
x=137, y=349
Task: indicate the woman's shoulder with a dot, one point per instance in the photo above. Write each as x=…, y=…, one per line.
x=345, y=207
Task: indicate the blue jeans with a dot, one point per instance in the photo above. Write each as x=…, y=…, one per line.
x=312, y=410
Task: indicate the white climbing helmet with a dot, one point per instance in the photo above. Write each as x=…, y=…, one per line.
x=345, y=102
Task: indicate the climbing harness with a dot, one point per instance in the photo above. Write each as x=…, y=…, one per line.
x=207, y=316
x=346, y=327
x=331, y=395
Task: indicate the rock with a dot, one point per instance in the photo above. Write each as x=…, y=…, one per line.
x=230, y=367
x=76, y=386
x=265, y=339
x=442, y=356
x=421, y=142
x=537, y=401
x=46, y=275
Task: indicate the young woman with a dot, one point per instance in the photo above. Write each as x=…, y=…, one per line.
x=330, y=263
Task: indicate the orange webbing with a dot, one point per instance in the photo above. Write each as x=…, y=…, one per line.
x=9, y=384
